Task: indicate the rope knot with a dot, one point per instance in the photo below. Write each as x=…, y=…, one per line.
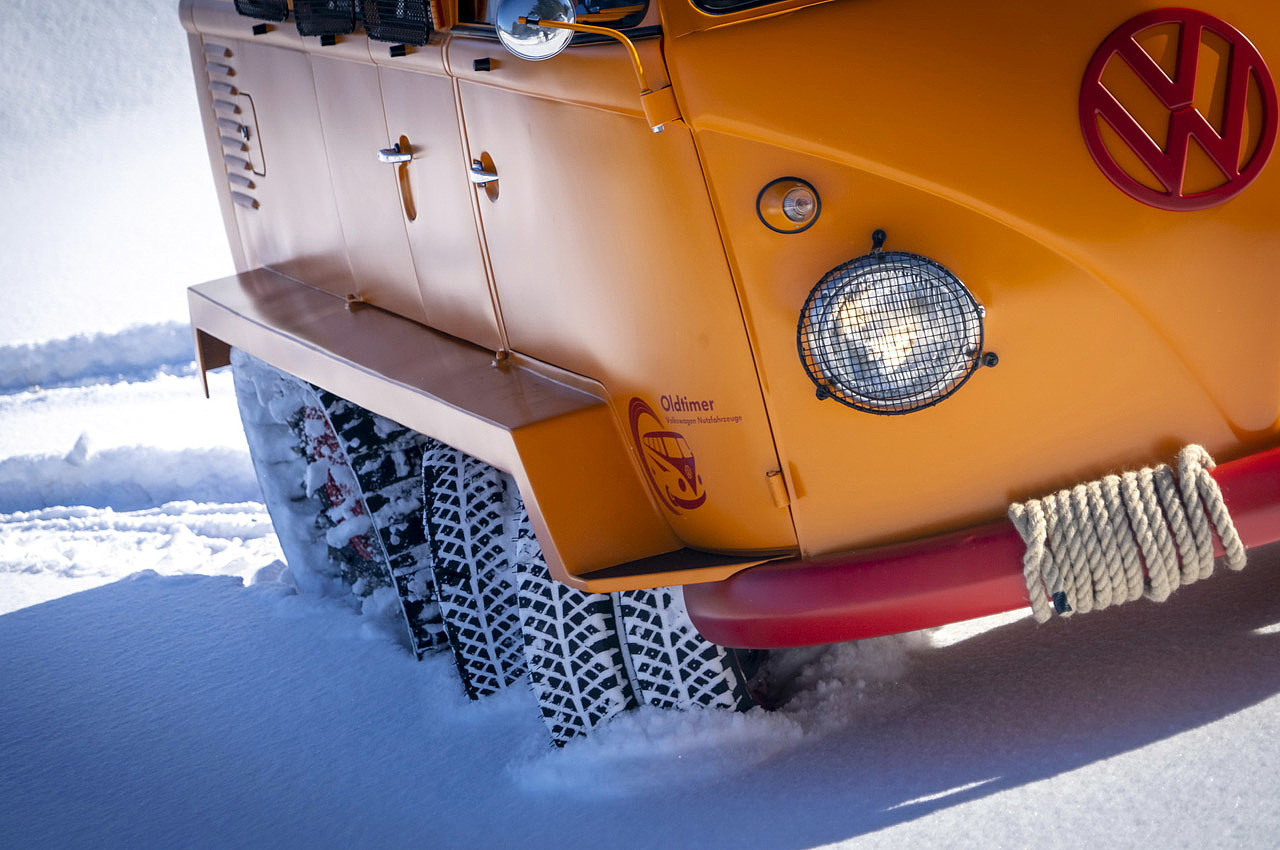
x=1142, y=533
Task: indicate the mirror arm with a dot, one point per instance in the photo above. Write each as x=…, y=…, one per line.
x=588, y=28
x=659, y=106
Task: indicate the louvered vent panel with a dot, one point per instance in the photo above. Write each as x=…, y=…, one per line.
x=237, y=131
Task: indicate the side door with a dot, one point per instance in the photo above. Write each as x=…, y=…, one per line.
x=436, y=204
x=348, y=94
x=607, y=261
x=409, y=225
x=309, y=130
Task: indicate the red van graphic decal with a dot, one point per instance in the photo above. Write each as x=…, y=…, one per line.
x=667, y=460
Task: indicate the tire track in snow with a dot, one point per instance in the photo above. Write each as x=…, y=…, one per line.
x=51, y=552
x=126, y=479
x=172, y=491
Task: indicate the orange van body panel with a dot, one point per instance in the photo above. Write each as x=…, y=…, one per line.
x=1123, y=331
x=634, y=267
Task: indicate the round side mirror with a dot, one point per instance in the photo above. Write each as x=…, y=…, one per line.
x=528, y=40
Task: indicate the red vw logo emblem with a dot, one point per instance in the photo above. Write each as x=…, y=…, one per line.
x=1216, y=94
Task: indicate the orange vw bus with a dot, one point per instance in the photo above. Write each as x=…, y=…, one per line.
x=655, y=333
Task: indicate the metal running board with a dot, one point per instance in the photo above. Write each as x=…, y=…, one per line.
x=511, y=416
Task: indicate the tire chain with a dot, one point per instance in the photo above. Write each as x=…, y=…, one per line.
x=344, y=521
x=324, y=499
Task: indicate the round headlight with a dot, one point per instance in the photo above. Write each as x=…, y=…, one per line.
x=890, y=332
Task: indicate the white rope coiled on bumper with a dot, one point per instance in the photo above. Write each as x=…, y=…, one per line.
x=1111, y=541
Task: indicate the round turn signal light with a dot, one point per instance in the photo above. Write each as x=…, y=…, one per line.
x=788, y=205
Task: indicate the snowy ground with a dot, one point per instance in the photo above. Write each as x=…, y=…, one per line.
x=165, y=685
x=162, y=683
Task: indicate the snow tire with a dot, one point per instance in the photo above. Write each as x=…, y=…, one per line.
x=672, y=665
x=386, y=458
x=577, y=668
x=375, y=504
x=472, y=547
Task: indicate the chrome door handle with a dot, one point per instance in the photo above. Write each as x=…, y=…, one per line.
x=479, y=175
x=394, y=155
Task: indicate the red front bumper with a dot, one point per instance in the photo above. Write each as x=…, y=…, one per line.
x=930, y=582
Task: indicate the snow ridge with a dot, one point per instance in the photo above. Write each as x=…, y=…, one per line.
x=137, y=353
x=126, y=479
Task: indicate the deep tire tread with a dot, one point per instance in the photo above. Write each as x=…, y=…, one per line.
x=450, y=533
x=471, y=552
x=675, y=667
x=576, y=666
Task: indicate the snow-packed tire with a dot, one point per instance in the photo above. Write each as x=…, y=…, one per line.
x=267, y=401
x=364, y=502
x=386, y=458
x=672, y=665
x=472, y=554
x=577, y=667
x=343, y=489
x=345, y=521
x=305, y=481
